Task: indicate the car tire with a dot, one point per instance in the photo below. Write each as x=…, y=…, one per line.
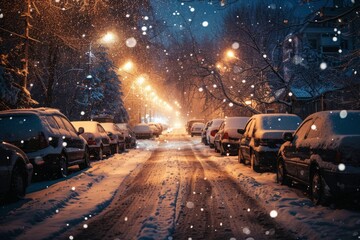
x=18, y=185
x=86, y=162
x=100, y=153
x=318, y=195
x=222, y=151
x=281, y=176
x=63, y=166
x=240, y=158
x=253, y=162
x=211, y=145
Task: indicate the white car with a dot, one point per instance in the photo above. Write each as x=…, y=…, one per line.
x=143, y=130
x=196, y=129
x=96, y=137
x=212, y=130
x=227, y=138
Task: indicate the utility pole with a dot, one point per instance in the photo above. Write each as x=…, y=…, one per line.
x=25, y=60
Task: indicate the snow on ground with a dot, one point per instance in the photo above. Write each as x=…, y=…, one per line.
x=63, y=203
x=51, y=208
x=294, y=211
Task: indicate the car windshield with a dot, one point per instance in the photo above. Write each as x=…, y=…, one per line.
x=280, y=122
x=346, y=125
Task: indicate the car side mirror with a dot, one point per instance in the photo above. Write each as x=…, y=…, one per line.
x=81, y=130
x=241, y=131
x=288, y=136
x=110, y=134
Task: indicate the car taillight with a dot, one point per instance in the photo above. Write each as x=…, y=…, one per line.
x=43, y=142
x=225, y=136
x=91, y=141
x=213, y=132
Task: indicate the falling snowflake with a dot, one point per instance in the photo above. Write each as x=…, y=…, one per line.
x=313, y=127
x=82, y=113
x=341, y=167
x=231, y=104
x=201, y=89
x=1, y=15
x=246, y=230
x=73, y=188
x=334, y=39
x=64, y=144
x=85, y=225
x=235, y=45
x=205, y=24
x=273, y=214
x=190, y=205
x=130, y=42
x=343, y=113
x=323, y=66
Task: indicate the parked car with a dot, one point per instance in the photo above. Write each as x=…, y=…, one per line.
x=191, y=122
x=143, y=130
x=262, y=138
x=130, y=138
x=323, y=153
x=97, y=138
x=196, y=129
x=156, y=128
x=212, y=130
x=117, y=139
x=15, y=172
x=226, y=140
x=47, y=137
x=203, y=133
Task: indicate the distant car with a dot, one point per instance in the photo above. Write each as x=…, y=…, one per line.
x=226, y=140
x=97, y=138
x=15, y=171
x=197, y=129
x=156, y=128
x=262, y=138
x=143, y=130
x=191, y=122
x=117, y=139
x=47, y=137
x=323, y=153
x=212, y=130
x=130, y=138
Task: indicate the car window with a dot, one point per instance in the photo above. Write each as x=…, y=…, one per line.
x=249, y=127
x=68, y=125
x=101, y=129
x=315, y=130
x=300, y=134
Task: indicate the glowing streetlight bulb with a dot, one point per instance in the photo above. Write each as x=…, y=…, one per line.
x=108, y=37
x=140, y=80
x=230, y=54
x=128, y=66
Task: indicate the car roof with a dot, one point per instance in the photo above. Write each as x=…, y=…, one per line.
x=35, y=111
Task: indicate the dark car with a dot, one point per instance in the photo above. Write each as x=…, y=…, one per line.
x=262, y=138
x=323, y=153
x=130, y=138
x=15, y=171
x=47, y=137
x=226, y=140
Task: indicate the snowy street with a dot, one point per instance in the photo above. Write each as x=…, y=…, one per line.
x=173, y=187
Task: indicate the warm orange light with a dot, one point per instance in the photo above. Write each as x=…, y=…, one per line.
x=128, y=66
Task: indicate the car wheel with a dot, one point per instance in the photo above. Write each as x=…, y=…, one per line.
x=240, y=158
x=18, y=185
x=222, y=151
x=281, y=176
x=63, y=166
x=86, y=162
x=254, y=163
x=318, y=189
x=100, y=153
x=211, y=145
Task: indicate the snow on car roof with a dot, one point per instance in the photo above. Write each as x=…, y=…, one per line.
x=89, y=126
